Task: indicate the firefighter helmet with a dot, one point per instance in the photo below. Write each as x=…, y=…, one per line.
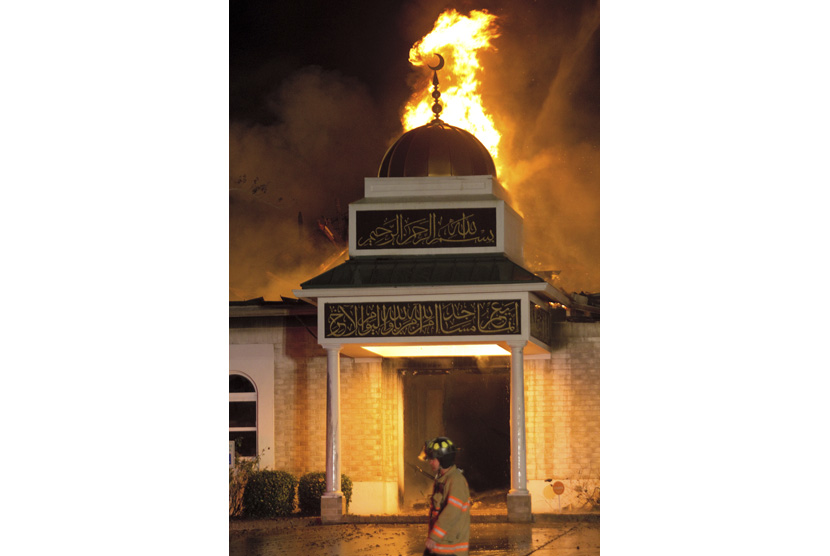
x=437, y=448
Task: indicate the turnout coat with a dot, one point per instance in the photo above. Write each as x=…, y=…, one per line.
x=449, y=516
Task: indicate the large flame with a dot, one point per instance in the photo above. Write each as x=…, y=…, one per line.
x=459, y=39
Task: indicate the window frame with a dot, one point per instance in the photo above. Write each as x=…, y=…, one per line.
x=246, y=397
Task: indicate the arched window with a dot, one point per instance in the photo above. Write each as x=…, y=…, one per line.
x=242, y=413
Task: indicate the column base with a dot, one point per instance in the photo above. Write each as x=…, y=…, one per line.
x=518, y=507
x=332, y=508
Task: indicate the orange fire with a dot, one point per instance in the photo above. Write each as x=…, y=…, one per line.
x=458, y=39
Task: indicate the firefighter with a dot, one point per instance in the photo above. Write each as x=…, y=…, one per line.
x=449, y=513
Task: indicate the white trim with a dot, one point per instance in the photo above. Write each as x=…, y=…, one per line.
x=432, y=186
x=256, y=363
x=431, y=295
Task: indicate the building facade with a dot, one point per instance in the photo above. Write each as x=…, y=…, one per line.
x=432, y=327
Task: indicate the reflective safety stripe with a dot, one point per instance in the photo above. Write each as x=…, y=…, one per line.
x=450, y=548
x=458, y=503
x=438, y=531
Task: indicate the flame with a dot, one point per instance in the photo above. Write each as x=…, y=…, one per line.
x=458, y=39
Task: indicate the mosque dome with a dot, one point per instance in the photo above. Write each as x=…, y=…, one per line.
x=437, y=149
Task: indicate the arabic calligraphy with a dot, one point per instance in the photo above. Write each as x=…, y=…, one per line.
x=541, y=323
x=427, y=318
x=426, y=228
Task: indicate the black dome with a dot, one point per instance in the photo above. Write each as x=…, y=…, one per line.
x=437, y=149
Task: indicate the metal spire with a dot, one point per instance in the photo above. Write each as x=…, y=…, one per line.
x=436, y=94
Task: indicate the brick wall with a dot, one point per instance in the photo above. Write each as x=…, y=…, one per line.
x=562, y=406
x=360, y=408
x=562, y=397
x=369, y=407
x=300, y=403
x=369, y=413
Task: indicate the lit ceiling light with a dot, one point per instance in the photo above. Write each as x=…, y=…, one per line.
x=465, y=350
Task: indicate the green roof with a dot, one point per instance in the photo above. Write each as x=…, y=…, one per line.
x=440, y=270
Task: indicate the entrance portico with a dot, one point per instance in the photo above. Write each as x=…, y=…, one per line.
x=432, y=268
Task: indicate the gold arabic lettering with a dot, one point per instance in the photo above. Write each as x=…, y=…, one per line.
x=434, y=318
x=401, y=231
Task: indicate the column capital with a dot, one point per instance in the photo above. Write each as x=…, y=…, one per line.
x=330, y=347
x=514, y=344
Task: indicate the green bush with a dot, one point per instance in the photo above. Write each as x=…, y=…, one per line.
x=269, y=494
x=313, y=486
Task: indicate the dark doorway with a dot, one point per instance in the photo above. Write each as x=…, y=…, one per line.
x=466, y=399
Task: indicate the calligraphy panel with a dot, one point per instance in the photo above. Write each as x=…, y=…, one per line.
x=420, y=228
x=422, y=318
x=541, y=323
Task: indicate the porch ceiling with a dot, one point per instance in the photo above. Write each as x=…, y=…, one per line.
x=357, y=351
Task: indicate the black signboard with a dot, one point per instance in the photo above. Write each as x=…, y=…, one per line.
x=420, y=228
x=422, y=318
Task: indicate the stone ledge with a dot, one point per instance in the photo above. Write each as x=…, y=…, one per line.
x=518, y=507
x=332, y=508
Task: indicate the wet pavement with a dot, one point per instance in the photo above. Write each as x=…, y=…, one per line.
x=309, y=538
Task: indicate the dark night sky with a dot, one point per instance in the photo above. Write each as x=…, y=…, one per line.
x=316, y=93
x=269, y=41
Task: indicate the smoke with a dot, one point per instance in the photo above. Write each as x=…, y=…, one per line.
x=542, y=86
x=285, y=177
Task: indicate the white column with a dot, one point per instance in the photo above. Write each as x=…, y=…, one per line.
x=333, y=422
x=518, y=447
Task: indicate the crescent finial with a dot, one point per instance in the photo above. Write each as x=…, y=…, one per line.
x=436, y=94
x=440, y=63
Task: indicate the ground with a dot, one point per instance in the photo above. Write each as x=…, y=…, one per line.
x=567, y=534
x=308, y=538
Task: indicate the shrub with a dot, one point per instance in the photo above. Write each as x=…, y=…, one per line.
x=269, y=494
x=312, y=487
x=237, y=479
